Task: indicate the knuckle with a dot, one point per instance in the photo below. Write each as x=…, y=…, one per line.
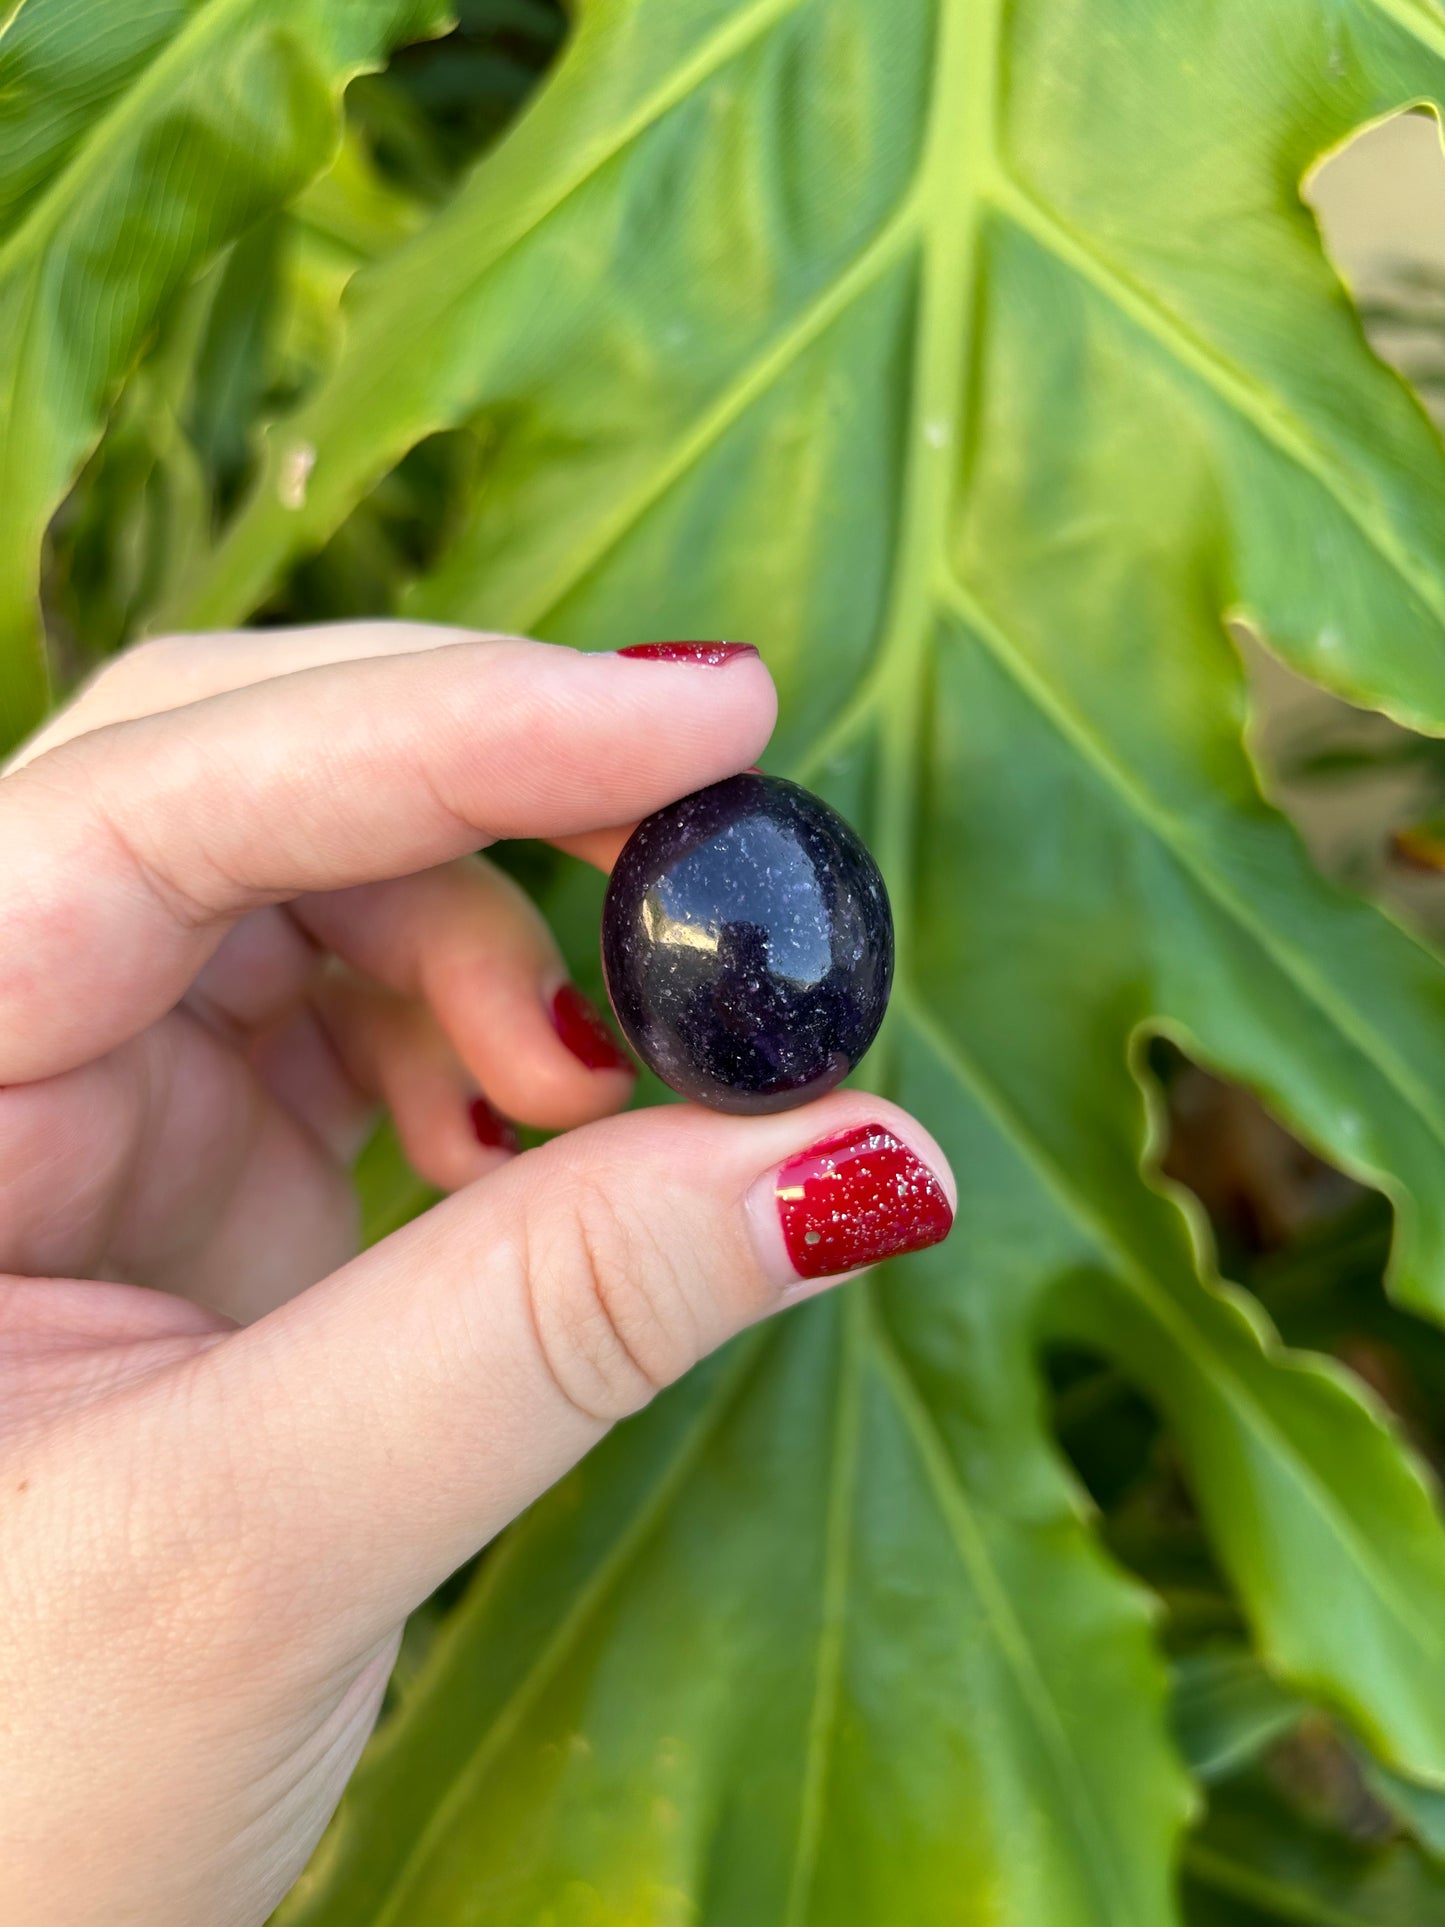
x=609, y=1303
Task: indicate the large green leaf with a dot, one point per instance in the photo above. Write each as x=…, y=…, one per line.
x=135, y=143
x=976, y=360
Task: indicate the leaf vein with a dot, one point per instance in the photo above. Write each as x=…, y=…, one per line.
x=1011, y=1639
x=1413, y=1093
x=1245, y=397
x=1187, y=1334
x=1260, y=1891
x=834, y=1607
x=669, y=1488
x=862, y=273
x=1414, y=20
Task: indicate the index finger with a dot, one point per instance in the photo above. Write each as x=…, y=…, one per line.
x=128, y=852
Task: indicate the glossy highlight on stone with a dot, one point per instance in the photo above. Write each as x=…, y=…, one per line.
x=747, y=944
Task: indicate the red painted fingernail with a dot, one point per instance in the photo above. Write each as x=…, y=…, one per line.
x=490, y=1128
x=584, y=1031
x=713, y=654
x=856, y=1199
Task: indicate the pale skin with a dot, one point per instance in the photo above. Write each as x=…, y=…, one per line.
x=241, y=913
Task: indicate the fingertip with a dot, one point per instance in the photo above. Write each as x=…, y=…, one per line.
x=752, y=700
x=540, y=1049
x=825, y=1190
x=492, y=1131
x=866, y=1185
x=583, y=1031
x=921, y=1142
x=456, y=1139
x=679, y=722
x=697, y=655
x=600, y=848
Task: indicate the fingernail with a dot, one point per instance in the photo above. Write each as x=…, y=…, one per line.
x=712, y=654
x=585, y=1032
x=856, y=1199
x=490, y=1128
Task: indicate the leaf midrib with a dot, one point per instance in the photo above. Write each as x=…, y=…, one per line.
x=955, y=168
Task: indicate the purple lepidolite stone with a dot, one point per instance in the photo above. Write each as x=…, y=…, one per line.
x=748, y=945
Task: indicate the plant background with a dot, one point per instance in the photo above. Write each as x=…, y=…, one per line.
x=1047, y=1587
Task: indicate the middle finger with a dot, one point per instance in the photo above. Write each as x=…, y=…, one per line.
x=470, y=943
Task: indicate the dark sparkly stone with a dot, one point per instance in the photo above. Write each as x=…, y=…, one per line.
x=748, y=945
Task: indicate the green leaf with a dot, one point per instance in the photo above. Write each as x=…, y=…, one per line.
x=1421, y=1809
x=1257, y=1863
x=136, y=143
x=1227, y=1710
x=711, y=1719
x=975, y=360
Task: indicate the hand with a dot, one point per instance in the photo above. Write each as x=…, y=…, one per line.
x=239, y=912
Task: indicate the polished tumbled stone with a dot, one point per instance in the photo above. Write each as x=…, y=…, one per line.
x=748, y=945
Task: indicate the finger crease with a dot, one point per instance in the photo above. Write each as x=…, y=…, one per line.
x=180, y=905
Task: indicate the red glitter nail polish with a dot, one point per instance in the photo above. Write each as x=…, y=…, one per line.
x=856, y=1199
x=712, y=654
x=490, y=1128
x=584, y=1031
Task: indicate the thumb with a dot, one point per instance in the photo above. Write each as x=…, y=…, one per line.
x=412, y=1404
